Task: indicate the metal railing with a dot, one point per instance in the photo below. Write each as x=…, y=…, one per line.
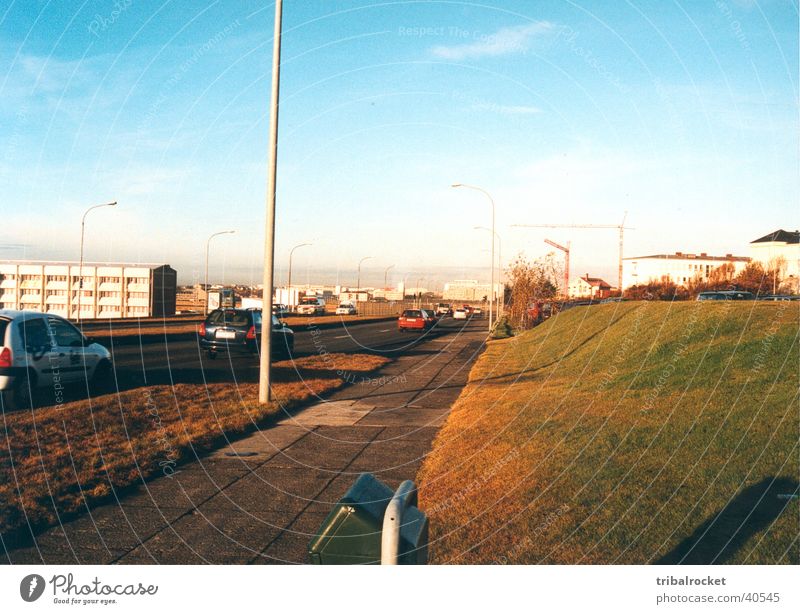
x=404, y=497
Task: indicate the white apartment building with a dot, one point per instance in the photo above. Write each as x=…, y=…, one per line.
x=679, y=268
x=108, y=290
x=779, y=245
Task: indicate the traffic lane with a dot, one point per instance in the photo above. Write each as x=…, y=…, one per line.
x=165, y=362
x=183, y=362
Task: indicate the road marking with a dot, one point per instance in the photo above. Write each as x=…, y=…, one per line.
x=342, y=337
x=385, y=330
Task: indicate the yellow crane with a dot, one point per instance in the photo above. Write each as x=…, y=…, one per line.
x=620, y=227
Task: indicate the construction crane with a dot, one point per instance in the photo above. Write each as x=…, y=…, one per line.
x=566, y=263
x=620, y=227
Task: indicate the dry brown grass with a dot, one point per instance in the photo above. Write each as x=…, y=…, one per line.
x=57, y=460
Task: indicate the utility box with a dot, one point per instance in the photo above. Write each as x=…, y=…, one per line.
x=351, y=534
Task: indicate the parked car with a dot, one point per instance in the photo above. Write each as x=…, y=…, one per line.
x=311, y=306
x=346, y=309
x=444, y=309
x=726, y=295
x=413, y=319
x=460, y=314
x=39, y=350
x=239, y=331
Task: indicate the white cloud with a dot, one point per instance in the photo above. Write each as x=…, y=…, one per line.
x=505, y=41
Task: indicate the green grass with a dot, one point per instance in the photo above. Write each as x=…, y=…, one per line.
x=625, y=433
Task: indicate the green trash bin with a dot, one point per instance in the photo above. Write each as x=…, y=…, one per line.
x=351, y=534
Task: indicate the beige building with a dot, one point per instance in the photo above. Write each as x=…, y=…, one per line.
x=679, y=268
x=467, y=290
x=589, y=287
x=780, y=246
x=108, y=290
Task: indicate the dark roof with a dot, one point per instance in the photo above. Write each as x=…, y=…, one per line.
x=780, y=236
x=595, y=281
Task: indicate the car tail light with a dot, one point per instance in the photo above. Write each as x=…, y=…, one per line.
x=251, y=332
x=201, y=330
x=5, y=358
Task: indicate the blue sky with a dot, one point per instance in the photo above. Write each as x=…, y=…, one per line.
x=683, y=114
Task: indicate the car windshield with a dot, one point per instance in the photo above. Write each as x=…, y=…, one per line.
x=344, y=306
x=411, y=313
x=230, y=317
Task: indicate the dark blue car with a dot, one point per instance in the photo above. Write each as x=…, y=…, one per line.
x=239, y=330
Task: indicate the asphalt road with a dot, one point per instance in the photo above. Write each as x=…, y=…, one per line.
x=181, y=361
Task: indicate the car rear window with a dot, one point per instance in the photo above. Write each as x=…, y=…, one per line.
x=230, y=317
x=3, y=327
x=308, y=301
x=411, y=313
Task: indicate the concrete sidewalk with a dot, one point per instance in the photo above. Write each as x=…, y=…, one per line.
x=262, y=498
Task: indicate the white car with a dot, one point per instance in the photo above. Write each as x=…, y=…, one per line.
x=460, y=314
x=311, y=306
x=346, y=309
x=42, y=350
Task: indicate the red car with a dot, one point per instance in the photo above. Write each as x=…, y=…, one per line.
x=413, y=319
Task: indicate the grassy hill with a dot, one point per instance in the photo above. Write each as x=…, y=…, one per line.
x=637, y=432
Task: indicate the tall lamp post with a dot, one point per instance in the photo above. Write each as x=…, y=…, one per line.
x=208, y=245
x=80, y=263
x=264, y=375
x=386, y=276
x=491, y=201
x=358, y=284
x=289, y=282
x=499, y=269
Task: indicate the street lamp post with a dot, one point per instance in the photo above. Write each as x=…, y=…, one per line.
x=385, y=276
x=358, y=284
x=264, y=375
x=491, y=201
x=499, y=269
x=208, y=244
x=80, y=263
x=289, y=282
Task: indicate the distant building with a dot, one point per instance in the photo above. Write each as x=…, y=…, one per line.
x=389, y=295
x=679, y=268
x=354, y=297
x=781, y=245
x=466, y=290
x=113, y=290
x=589, y=287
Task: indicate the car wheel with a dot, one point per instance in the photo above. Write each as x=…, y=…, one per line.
x=103, y=374
x=21, y=395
